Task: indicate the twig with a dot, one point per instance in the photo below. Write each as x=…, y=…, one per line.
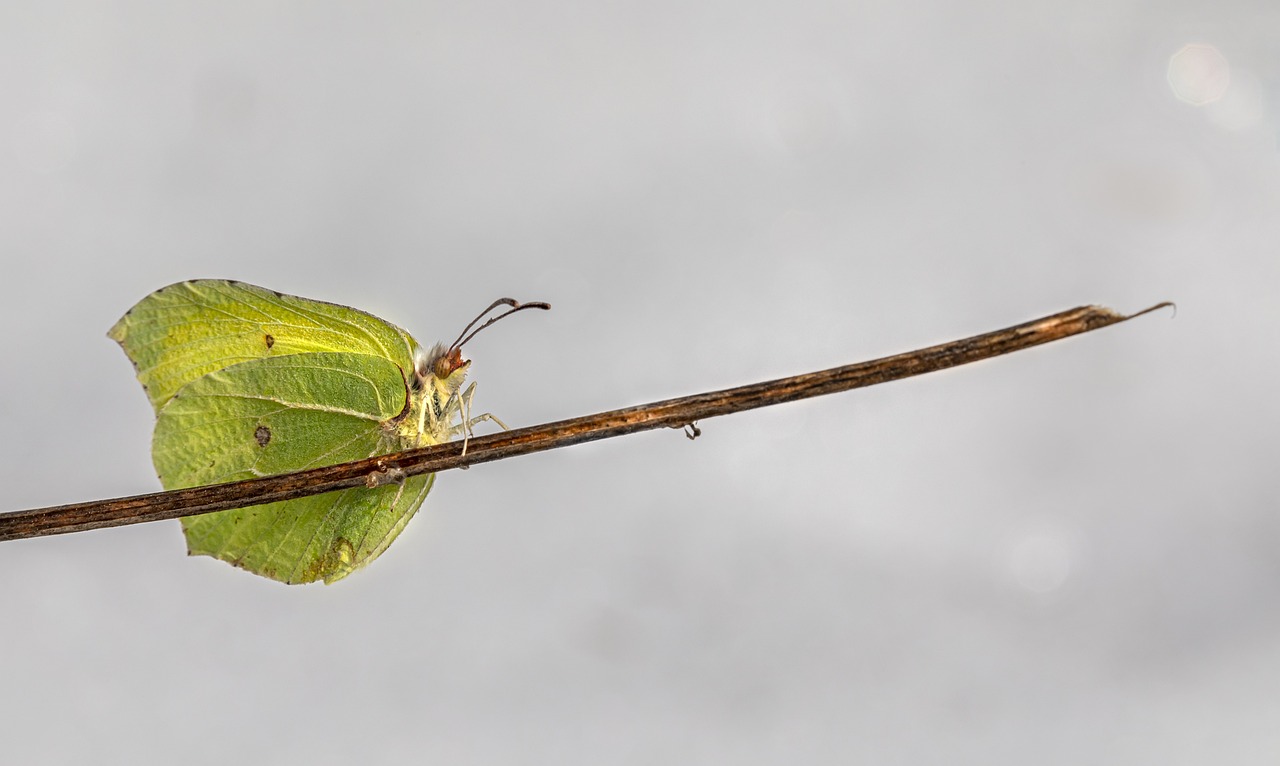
x=672, y=413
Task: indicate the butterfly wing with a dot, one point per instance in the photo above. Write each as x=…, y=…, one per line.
x=280, y=414
x=186, y=330
x=249, y=382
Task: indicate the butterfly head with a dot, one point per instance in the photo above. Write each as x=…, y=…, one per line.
x=438, y=376
x=442, y=369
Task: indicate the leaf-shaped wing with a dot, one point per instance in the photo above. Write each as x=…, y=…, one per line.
x=282, y=414
x=186, y=330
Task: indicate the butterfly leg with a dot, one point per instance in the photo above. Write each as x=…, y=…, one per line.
x=469, y=423
x=464, y=399
x=491, y=418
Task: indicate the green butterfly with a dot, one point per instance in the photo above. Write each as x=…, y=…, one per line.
x=248, y=382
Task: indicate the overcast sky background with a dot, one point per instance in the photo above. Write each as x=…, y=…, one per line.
x=1070, y=555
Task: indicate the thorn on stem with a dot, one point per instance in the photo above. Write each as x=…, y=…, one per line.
x=387, y=473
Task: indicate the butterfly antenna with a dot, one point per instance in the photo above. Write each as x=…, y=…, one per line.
x=515, y=306
x=500, y=302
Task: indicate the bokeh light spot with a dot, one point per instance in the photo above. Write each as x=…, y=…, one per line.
x=1199, y=74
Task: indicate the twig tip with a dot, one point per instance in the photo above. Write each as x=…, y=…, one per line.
x=1157, y=307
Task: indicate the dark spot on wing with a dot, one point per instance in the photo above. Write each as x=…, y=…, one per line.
x=269, y=339
x=263, y=435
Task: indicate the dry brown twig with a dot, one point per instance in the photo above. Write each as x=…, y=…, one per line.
x=683, y=412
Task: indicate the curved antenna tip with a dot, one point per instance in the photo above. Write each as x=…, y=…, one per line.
x=513, y=306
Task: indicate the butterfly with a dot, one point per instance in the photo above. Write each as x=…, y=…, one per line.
x=248, y=382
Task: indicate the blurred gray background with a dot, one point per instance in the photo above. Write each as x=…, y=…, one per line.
x=1070, y=555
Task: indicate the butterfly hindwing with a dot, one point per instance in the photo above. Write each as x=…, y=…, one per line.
x=323, y=537
x=281, y=414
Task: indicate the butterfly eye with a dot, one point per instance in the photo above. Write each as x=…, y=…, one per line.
x=446, y=363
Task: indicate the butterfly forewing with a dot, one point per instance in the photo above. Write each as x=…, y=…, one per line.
x=186, y=330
